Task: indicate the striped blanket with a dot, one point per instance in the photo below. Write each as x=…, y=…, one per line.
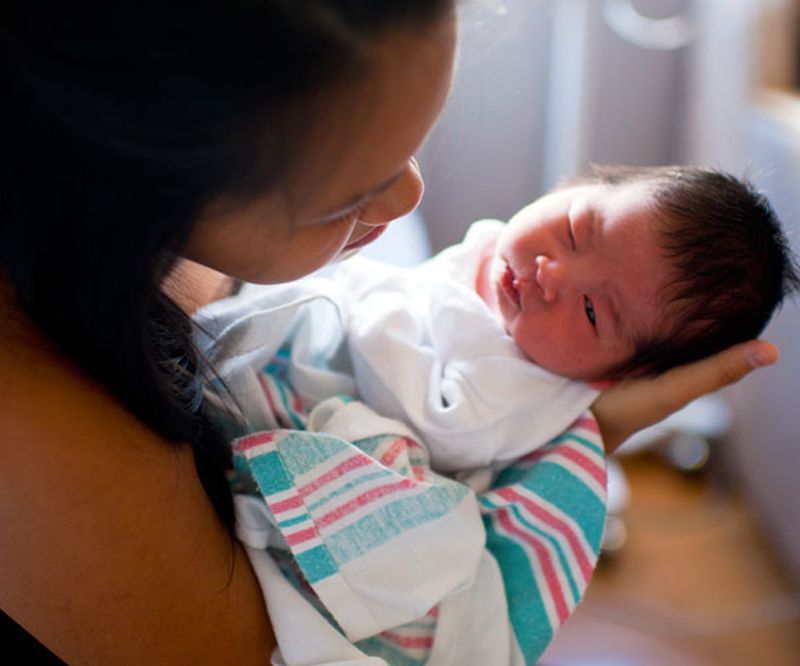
x=351, y=531
x=410, y=565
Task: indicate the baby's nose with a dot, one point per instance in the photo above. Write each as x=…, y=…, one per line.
x=550, y=276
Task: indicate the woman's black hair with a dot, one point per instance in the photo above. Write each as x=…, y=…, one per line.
x=118, y=125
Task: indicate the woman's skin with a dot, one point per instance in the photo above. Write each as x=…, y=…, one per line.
x=634, y=404
x=361, y=176
x=110, y=551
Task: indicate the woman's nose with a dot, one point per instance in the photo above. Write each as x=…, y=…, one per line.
x=550, y=276
x=400, y=198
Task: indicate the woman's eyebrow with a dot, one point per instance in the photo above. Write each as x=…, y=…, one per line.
x=353, y=202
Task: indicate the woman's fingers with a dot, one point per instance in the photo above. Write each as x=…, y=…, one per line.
x=638, y=403
x=679, y=386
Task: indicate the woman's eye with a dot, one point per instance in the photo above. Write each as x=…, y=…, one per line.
x=589, y=308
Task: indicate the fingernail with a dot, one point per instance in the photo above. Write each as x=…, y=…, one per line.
x=760, y=358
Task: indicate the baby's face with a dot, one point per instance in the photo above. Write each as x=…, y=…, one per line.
x=576, y=278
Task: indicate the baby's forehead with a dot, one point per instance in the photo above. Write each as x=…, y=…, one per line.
x=633, y=202
x=643, y=191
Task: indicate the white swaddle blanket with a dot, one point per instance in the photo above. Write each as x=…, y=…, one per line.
x=366, y=556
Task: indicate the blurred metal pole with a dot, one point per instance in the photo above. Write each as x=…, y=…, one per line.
x=566, y=127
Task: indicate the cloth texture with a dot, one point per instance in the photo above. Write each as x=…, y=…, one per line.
x=428, y=351
x=366, y=552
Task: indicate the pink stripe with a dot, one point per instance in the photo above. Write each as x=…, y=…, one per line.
x=397, y=447
x=412, y=444
x=251, y=441
x=584, y=462
x=363, y=500
x=544, y=560
x=286, y=505
x=587, y=423
x=265, y=389
x=550, y=520
x=419, y=472
x=356, y=461
x=534, y=456
x=301, y=536
x=409, y=642
x=433, y=612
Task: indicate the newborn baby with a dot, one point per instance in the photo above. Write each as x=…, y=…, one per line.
x=627, y=271
x=496, y=345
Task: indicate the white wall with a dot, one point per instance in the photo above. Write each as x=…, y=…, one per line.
x=766, y=439
x=537, y=97
x=484, y=157
x=496, y=148
x=731, y=125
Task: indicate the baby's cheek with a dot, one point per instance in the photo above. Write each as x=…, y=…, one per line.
x=556, y=346
x=532, y=344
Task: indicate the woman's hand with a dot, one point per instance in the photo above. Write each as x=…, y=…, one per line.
x=635, y=404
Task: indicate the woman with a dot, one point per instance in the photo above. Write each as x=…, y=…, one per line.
x=259, y=141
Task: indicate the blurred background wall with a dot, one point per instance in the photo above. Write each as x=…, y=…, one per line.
x=546, y=86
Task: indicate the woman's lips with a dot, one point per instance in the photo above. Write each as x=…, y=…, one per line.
x=366, y=239
x=510, y=286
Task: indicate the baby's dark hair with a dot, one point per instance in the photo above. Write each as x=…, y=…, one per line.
x=732, y=264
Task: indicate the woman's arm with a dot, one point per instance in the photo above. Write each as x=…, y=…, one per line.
x=110, y=551
x=635, y=404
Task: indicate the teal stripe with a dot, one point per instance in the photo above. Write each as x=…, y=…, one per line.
x=391, y=520
x=303, y=452
x=525, y=607
x=298, y=423
x=294, y=521
x=269, y=473
x=589, y=444
x=288, y=567
x=341, y=490
x=274, y=370
x=369, y=444
x=565, y=491
x=316, y=564
x=562, y=558
x=278, y=365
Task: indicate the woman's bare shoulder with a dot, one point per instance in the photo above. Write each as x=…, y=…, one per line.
x=49, y=407
x=110, y=550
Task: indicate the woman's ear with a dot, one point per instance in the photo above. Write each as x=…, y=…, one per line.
x=603, y=384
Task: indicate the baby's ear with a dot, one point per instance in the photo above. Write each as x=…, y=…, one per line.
x=603, y=384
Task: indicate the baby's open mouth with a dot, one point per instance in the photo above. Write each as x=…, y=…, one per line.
x=510, y=286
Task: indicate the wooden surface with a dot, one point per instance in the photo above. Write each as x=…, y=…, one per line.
x=694, y=584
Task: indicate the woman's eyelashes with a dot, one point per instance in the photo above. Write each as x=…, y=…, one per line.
x=347, y=217
x=588, y=307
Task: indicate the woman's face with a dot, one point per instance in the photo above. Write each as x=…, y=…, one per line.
x=361, y=175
